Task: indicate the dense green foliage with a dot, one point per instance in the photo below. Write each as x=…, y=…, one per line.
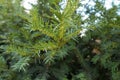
x=46, y=44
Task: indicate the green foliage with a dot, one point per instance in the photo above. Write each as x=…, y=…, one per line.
x=46, y=44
